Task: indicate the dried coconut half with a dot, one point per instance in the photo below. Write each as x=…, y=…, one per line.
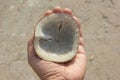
x=56, y=37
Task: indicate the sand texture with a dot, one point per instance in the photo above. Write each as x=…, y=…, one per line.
x=100, y=23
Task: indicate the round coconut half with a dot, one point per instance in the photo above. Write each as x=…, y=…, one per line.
x=56, y=37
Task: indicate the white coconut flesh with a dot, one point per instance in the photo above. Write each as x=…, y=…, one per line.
x=56, y=38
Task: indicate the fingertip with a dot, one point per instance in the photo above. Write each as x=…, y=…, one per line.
x=57, y=9
x=67, y=11
x=30, y=46
x=77, y=20
x=30, y=42
x=48, y=12
x=81, y=41
x=81, y=50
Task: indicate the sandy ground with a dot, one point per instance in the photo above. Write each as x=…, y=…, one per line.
x=100, y=22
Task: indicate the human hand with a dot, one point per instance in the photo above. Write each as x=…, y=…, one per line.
x=71, y=70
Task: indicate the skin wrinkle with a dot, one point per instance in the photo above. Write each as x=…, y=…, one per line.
x=54, y=72
x=66, y=69
x=70, y=77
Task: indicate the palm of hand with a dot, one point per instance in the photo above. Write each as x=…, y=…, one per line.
x=72, y=70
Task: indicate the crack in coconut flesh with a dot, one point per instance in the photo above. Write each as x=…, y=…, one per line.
x=56, y=37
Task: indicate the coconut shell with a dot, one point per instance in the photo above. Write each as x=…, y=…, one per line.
x=56, y=37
